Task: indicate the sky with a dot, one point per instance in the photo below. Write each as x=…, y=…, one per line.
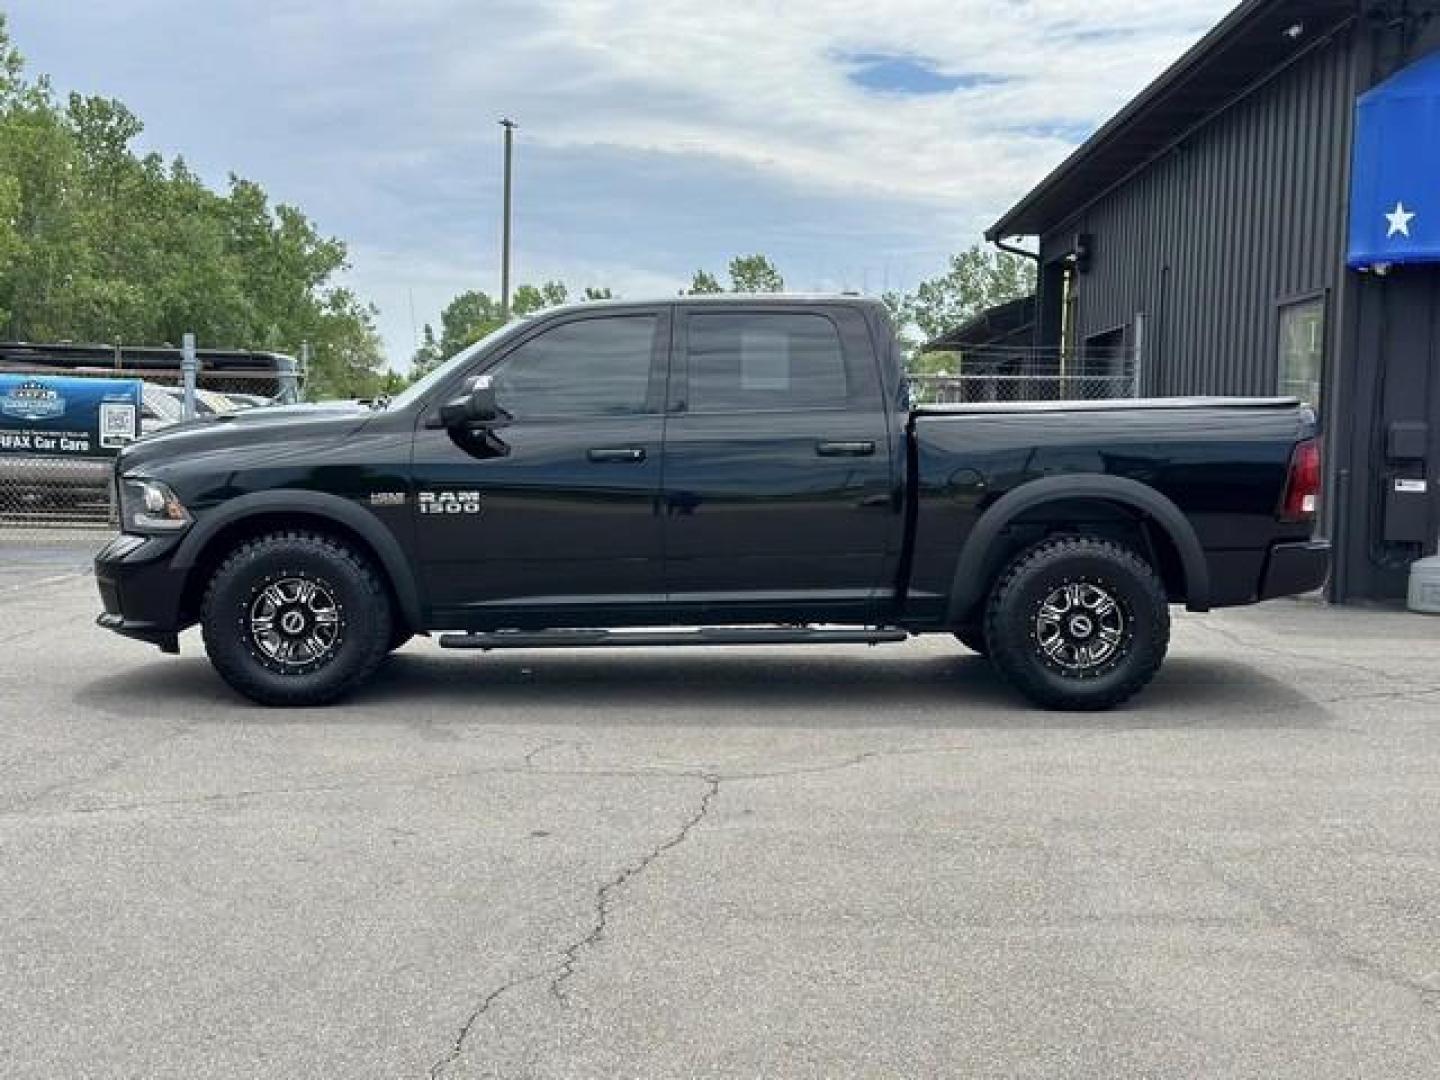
x=857, y=144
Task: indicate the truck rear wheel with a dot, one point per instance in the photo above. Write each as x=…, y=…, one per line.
x=1078, y=623
x=295, y=618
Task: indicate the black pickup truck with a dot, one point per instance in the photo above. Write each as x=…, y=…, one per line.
x=725, y=471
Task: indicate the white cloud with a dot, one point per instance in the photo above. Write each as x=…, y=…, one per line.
x=657, y=136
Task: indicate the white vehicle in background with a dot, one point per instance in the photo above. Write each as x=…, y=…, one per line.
x=207, y=402
x=158, y=409
x=250, y=401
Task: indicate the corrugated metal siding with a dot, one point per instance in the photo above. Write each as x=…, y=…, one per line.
x=1206, y=240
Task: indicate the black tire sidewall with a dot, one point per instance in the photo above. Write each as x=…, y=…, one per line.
x=1010, y=622
x=365, y=617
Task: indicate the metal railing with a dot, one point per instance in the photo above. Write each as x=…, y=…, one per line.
x=1005, y=374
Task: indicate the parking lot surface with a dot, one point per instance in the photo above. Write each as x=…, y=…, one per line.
x=731, y=862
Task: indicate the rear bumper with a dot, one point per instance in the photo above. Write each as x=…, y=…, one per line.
x=1292, y=569
x=139, y=591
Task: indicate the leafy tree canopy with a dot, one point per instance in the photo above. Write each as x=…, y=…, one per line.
x=748, y=274
x=976, y=279
x=99, y=243
x=471, y=315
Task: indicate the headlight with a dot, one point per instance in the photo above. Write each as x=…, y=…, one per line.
x=148, y=506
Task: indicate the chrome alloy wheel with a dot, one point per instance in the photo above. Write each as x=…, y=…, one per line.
x=1080, y=628
x=295, y=624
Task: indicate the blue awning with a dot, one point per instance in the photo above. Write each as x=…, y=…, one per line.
x=1395, y=171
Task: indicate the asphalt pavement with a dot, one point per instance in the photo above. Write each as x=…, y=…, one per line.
x=789, y=862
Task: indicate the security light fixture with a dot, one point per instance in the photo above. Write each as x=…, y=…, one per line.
x=1294, y=31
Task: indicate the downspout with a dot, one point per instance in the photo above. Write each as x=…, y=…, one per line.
x=1033, y=256
x=1010, y=249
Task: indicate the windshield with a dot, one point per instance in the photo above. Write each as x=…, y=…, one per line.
x=418, y=389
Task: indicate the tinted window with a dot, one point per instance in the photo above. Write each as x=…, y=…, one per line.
x=741, y=361
x=592, y=367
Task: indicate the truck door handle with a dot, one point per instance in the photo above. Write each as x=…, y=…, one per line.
x=616, y=454
x=845, y=449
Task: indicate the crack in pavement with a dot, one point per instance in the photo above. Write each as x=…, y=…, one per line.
x=1326, y=942
x=35, y=629
x=457, y=1048
x=604, y=896
x=1234, y=637
x=548, y=744
x=604, y=904
x=693, y=773
x=31, y=586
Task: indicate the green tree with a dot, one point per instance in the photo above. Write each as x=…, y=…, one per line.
x=755, y=274
x=473, y=314
x=976, y=279
x=428, y=356
x=748, y=274
x=532, y=298
x=467, y=319
x=703, y=283
x=99, y=243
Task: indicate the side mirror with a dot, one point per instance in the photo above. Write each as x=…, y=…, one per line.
x=475, y=406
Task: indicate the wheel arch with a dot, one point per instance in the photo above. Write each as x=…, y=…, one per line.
x=986, y=548
x=251, y=515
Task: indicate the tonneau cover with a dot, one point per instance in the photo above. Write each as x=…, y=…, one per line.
x=1111, y=405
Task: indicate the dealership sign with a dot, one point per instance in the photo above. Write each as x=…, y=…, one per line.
x=67, y=417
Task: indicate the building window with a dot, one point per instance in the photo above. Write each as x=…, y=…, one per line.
x=1302, y=349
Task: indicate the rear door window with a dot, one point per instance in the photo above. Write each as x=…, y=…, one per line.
x=746, y=361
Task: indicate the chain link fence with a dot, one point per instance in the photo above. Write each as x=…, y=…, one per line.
x=56, y=480
x=1003, y=374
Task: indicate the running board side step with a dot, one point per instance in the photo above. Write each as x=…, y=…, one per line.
x=609, y=639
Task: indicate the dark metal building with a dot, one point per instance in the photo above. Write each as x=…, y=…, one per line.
x=1208, y=223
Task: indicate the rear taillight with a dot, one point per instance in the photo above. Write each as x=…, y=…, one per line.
x=1302, y=486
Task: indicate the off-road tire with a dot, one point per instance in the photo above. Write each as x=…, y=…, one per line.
x=356, y=604
x=1022, y=627
x=972, y=636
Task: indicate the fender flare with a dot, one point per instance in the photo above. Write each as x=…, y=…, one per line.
x=968, y=586
x=316, y=504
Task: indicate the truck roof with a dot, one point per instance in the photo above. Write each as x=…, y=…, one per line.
x=748, y=300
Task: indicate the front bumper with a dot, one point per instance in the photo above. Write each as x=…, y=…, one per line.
x=1295, y=568
x=140, y=592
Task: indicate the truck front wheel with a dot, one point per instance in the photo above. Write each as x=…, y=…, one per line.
x=1078, y=622
x=295, y=618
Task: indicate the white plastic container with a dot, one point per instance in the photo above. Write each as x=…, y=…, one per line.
x=1425, y=586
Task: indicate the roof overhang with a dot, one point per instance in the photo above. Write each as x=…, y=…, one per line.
x=1253, y=41
x=999, y=323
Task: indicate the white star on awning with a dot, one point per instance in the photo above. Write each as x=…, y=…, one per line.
x=1399, y=219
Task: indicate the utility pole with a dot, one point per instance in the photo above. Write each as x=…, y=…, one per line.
x=509, y=126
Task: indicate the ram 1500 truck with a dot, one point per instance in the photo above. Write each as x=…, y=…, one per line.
x=724, y=471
